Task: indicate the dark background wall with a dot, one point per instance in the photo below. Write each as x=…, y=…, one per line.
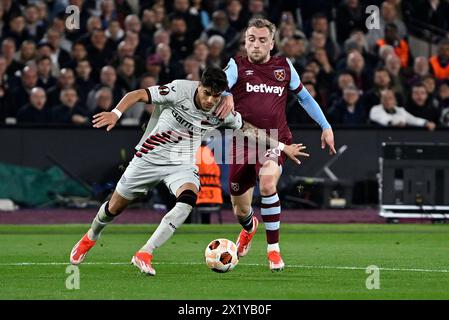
x=95, y=155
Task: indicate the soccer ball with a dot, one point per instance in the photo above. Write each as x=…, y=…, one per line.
x=221, y=255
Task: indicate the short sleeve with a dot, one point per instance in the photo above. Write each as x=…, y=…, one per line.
x=233, y=120
x=231, y=73
x=295, y=82
x=164, y=94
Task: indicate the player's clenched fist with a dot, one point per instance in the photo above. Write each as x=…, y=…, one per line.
x=102, y=119
x=295, y=150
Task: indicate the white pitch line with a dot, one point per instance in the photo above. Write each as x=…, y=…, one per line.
x=299, y=266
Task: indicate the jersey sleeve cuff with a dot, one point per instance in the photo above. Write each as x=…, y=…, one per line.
x=297, y=90
x=149, y=95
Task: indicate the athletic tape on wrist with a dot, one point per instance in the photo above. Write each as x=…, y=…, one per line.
x=117, y=112
x=281, y=146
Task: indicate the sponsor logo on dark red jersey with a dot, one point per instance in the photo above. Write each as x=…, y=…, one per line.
x=279, y=74
x=264, y=88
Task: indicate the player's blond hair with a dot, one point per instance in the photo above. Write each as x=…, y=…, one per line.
x=262, y=23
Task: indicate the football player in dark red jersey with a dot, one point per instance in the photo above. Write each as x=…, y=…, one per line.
x=258, y=84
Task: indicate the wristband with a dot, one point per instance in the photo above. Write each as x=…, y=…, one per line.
x=281, y=146
x=117, y=112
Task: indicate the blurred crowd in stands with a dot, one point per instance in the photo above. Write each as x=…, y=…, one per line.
x=359, y=76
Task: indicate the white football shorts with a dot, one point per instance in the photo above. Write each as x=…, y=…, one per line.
x=140, y=176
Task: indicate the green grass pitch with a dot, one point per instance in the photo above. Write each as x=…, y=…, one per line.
x=322, y=262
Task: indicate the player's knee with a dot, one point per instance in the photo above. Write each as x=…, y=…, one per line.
x=188, y=197
x=267, y=185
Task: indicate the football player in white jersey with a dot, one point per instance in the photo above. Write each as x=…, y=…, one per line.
x=166, y=152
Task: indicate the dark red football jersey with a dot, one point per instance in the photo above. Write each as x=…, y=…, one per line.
x=260, y=94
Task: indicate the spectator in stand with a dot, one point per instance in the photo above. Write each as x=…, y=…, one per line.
x=4, y=89
x=83, y=82
x=421, y=69
x=148, y=22
x=318, y=41
x=355, y=63
x=181, y=43
x=216, y=56
x=194, y=26
x=350, y=15
x=58, y=24
x=35, y=26
x=440, y=62
x=320, y=24
x=171, y=68
x=238, y=18
x=34, y=112
x=93, y=23
x=27, y=52
x=256, y=8
x=77, y=54
x=20, y=95
x=108, y=78
x=430, y=84
x=66, y=80
x=114, y=33
x=125, y=74
x=197, y=9
x=192, y=69
x=8, y=51
x=419, y=105
x=161, y=21
x=389, y=114
x=108, y=13
x=45, y=78
x=443, y=95
x=69, y=112
x=294, y=49
x=133, y=24
x=17, y=30
x=220, y=26
x=59, y=57
x=349, y=110
x=201, y=53
x=422, y=14
x=382, y=81
x=388, y=14
x=99, y=52
x=393, y=66
x=153, y=66
x=400, y=46
x=103, y=100
x=344, y=79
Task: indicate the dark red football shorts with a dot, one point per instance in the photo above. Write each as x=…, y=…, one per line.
x=243, y=175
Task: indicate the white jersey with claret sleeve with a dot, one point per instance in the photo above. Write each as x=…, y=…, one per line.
x=174, y=132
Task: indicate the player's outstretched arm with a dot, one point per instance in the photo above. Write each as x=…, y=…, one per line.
x=110, y=119
x=314, y=111
x=292, y=151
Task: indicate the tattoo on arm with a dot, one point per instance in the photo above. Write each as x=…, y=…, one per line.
x=255, y=134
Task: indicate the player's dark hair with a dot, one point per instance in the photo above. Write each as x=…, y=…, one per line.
x=215, y=79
